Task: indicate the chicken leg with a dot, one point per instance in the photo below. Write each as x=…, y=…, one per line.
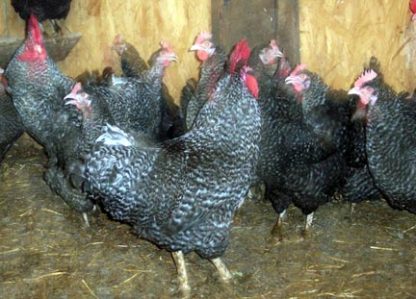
x=223, y=271
x=277, y=228
x=182, y=274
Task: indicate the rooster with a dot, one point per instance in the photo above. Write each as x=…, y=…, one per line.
x=390, y=144
x=182, y=194
x=37, y=88
x=11, y=127
x=212, y=68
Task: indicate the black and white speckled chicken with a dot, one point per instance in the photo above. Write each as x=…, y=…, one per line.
x=11, y=127
x=359, y=183
x=182, y=195
x=315, y=146
x=390, y=141
x=212, y=68
x=136, y=103
x=38, y=88
x=133, y=65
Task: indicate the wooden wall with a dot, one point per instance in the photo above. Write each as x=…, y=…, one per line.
x=144, y=23
x=338, y=36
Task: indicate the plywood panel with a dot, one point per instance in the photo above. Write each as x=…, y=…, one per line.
x=337, y=37
x=143, y=23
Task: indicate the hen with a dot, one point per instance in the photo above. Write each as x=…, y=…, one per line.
x=390, y=141
x=133, y=65
x=182, y=195
x=359, y=183
x=11, y=127
x=136, y=103
x=212, y=68
x=313, y=150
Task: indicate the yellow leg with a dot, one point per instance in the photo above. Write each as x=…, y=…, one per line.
x=224, y=273
x=182, y=274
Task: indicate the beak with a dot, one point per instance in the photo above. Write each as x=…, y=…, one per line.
x=172, y=57
x=279, y=54
x=71, y=102
x=196, y=48
x=69, y=96
x=354, y=91
x=292, y=80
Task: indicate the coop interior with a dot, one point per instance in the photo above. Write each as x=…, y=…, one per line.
x=351, y=249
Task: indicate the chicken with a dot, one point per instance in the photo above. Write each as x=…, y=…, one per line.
x=213, y=59
x=43, y=9
x=412, y=8
x=309, y=157
x=136, y=103
x=359, y=183
x=11, y=127
x=264, y=61
x=390, y=142
x=132, y=64
x=37, y=88
x=182, y=195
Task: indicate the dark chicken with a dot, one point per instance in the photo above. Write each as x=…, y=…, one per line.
x=132, y=64
x=182, y=195
x=312, y=154
x=136, y=103
x=212, y=68
x=11, y=127
x=38, y=88
x=390, y=141
x=359, y=183
x=43, y=9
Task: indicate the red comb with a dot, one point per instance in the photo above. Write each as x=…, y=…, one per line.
x=273, y=44
x=365, y=77
x=240, y=55
x=118, y=39
x=77, y=87
x=298, y=69
x=34, y=30
x=166, y=46
x=412, y=6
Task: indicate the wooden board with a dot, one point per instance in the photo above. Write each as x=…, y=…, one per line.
x=58, y=48
x=338, y=37
x=258, y=21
